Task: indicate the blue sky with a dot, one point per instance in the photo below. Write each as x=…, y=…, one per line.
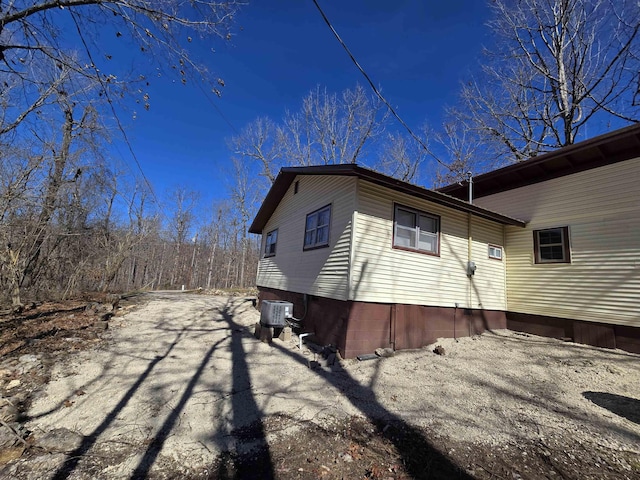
x=417, y=51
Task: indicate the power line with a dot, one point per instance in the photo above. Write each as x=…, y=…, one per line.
x=113, y=110
x=375, y=89
x=218, y=110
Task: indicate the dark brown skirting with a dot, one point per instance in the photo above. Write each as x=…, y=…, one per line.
x=590, y=333
x=356, y=328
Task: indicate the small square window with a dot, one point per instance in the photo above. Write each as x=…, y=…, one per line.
x=495, y=252
x=270, y=243
x=316, y=233
x=551, y=245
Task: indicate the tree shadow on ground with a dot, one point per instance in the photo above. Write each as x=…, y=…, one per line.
x=421, y=459
x=73, y=458
x=626, y=407
x=153, y=450
x=255, y=461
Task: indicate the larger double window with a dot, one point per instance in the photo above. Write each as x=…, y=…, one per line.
x=316, y=232
x=416, y=230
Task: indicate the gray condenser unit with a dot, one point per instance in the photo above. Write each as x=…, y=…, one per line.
x=274, y=313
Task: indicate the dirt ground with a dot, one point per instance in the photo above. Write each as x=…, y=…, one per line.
x=178, y=387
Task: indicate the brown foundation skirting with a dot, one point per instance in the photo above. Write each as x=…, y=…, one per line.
x=356, y=328
x=590, y=333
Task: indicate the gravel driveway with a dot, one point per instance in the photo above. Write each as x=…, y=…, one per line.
x=183, y=382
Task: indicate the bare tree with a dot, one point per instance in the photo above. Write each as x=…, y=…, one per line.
x=559, y=66
x=181, y=227
x=328, y=129
x=245, y=199
x=332, y=129
x=36, y=34
x=261, y=141
x=459, y=149
x=117, y=242
x=34, y=193
x=402, y=156
x=59, y=84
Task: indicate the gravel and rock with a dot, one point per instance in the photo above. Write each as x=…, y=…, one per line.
x=180, y=388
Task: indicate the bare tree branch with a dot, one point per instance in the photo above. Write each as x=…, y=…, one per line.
x=559, y=65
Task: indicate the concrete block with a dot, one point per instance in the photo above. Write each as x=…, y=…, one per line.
x=266, y=334
x=285, y=334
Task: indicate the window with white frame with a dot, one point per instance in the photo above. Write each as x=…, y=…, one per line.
x=316, y=233
x=495, y=252
x=551, y=245
x=270, y=243
x=416, y=230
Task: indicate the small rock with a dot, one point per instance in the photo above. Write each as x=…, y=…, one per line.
x=13, y=384
x=60, y=440
x=91, y=307
x=4, y=373
x=385, y=352
x=9, y=413
x=28, y=359
x=101, y=325
x=439, y=350
x=346, y=457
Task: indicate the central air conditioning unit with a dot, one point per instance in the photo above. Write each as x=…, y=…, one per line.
x=274, y=313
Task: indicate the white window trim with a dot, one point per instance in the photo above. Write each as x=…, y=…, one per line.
x=564, y=242
x=496, y=247
x=417, y=230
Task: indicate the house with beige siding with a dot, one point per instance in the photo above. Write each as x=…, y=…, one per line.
x=574, y=271
x=369, y=261
x=549, y=246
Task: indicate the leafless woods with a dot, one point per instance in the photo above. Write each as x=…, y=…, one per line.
x=72, y=217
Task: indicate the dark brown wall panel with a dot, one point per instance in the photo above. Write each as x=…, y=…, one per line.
x=590, y=333
x=358, y=327
x=627, y=338
x=537, y=325
x=419, y=325
x=368, y=328
x=595, y=334
x=327, y=319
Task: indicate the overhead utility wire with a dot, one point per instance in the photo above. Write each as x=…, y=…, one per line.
x=113, y=110
x=375, y=89
x=218, y=110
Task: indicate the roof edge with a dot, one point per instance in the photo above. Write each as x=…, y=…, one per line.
x=581, y=156
x=287, y=175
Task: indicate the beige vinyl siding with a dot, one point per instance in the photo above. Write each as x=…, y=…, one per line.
x=383, y=274
x=489, y=281
x=322, y=271
x=601, y=207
